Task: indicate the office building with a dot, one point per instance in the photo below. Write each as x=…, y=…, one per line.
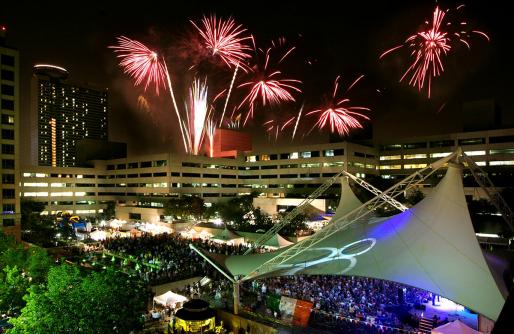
x=65, y=113
x=10, y=137
x=140, y=184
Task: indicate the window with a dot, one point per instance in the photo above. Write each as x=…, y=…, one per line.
x=7, y=149
x=473, y=153
x=442, y=143
x=132, y=165
x=471, y=141
x=110, y=167
x=440, y=154
x=7, y=75
x=414, y=166
x=501, y=163
x=411, y=146
x=7, y=164
x=391, y=147
x=265, y=157
x=7, y=134
x=284, y=156
x=339, y=151
x=306, y=154
x=7, y=104
x=159, y=174
x=121, y=166
x=190, y=174
x=8, y=222
x=328, y=153
x=7, y=90
x=7, y=119
x=175, y=174
x=160, y=163
x=501, y=139
x=294, y=155
x=391, y=167
x=251, y=158
x=390, y=157
x=8, y=208
x=8, y=178
x=134, y=216
x=146, y=164
x=214, y=176
x=7, y=193
x=145, y=175
x=414, y=156
x=190, y=164
x=8, y=60
x=503, y=151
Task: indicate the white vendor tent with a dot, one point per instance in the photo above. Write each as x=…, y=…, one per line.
x=454, y=327
x=169, y=299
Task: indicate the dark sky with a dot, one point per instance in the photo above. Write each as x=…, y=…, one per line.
x=346, y=39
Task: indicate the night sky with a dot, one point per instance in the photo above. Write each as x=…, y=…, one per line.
x=339, y=39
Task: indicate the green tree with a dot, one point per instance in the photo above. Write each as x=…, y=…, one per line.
x=19, y=269
x=294, y=226
x=13, y=286
x=414, y=196
x=71, y=302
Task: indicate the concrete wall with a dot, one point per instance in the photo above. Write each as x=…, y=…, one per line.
x=270, y=205
x=150, y=215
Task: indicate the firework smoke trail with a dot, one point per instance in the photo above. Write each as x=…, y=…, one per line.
x=428, y=49
x=198, y=109
x=226, y=39
x=139, y=62
x=337, y=115
x=210, y=130
x=297, y=121
x=180, y=121
x=228, y=94
x=268, y=87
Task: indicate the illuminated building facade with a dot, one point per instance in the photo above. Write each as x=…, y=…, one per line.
x=66, y=113
x=140, y=184
x=9, y=140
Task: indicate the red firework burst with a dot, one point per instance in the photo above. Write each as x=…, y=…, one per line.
x=268, y=87
x=430, y=46
x=140, y=63
x=337, y=114
x=226, y=39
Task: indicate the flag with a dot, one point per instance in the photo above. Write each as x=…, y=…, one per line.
x=294, y=311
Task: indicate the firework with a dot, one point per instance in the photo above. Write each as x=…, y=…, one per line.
x=210, y=130
x=225, y=38
x=268, y=87
x=140, y=63
x=337, y=114
x=297, y=121
x=197, y=115
x=430, y=46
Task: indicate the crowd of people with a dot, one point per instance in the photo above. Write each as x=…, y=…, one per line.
x=364, y=299
x=336, y=299
x=167, y=257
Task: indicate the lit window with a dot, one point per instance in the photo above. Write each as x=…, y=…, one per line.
x=390, y=157
x=294, y=155
x=390, y=167
x=414, y=166
x=501, y=163
x=472, y=153
x=440, y=154
x=414, y=156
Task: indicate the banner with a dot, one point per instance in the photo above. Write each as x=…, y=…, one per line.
x=294, y=311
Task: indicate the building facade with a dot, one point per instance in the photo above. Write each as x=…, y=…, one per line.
x=10, y=138
x=66, y=113
x=145, y=181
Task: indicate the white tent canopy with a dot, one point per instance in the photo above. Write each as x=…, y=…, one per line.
x=348, y=201
x=454, y=327
x=431, y=246
x=169, y=299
